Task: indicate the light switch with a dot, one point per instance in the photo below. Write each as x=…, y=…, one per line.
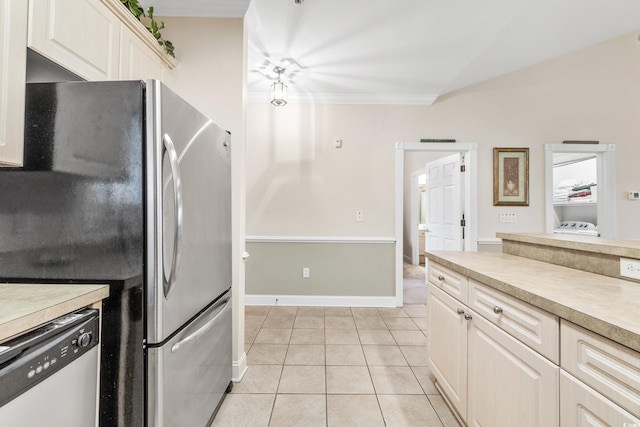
x=508, y=217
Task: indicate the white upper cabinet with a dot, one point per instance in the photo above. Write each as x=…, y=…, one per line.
x=81, y=35
x=13, y=59
x=96, y=39
x=137, y=61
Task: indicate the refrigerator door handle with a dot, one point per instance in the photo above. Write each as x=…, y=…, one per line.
x=168, y=282
x=200, y=331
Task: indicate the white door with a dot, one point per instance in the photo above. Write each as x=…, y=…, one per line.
x=444, y=204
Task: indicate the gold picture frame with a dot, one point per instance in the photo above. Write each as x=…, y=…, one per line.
x=511, y=177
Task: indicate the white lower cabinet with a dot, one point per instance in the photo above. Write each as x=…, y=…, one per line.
x=509, y=384
x=583, y=406
x=502, y=362
x=601, y=380
x=447, y=344
x=489, y=377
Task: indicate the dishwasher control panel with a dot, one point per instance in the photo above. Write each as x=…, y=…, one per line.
x=30, y=358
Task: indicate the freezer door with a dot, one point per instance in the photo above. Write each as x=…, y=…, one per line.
x=189, y=228
x=188, y=375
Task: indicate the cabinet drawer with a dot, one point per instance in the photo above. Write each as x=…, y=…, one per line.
x=582, y=406
x=455, y=284
x=534, y=327
x=608, y=367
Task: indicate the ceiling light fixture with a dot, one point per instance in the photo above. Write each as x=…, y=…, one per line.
x=297, y=1
x=278, y=89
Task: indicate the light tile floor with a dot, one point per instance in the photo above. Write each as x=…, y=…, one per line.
x=329, y=366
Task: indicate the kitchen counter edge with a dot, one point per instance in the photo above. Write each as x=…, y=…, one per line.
x=590, y=312
x=26, y=306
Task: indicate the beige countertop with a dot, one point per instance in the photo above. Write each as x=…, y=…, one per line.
x=25, y=306
x=615, y=247
x=605, y=305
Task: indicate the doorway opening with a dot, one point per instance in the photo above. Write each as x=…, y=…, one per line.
x=580, y=189
x=468, y=152
x=418, y=220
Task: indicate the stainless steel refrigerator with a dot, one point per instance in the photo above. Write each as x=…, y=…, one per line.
x=127, y=184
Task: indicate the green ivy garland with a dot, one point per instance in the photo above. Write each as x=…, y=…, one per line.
x=137, y=11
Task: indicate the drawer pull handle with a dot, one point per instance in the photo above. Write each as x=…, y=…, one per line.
x=460, y=311
x=467, y=317
x=441, y=278
x=497, y=310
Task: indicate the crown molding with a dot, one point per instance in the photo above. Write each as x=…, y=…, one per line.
x=348, y=98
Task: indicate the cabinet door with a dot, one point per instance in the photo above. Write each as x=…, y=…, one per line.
x=13, y=60
x=509, y=384
x=447, y=346
x=81, y=35
x=137, y=61
x=583, y=406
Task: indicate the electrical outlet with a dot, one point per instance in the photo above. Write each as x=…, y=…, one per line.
x=305, y=272
x=508, y=217
x=630, y=268
x=359, y=216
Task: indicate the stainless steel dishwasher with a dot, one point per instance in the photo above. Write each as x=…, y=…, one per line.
x=49, y=376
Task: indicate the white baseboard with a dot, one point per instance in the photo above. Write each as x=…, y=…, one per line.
x=239, y=368
x=316, y=300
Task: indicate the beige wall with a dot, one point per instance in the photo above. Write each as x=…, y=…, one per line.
x=210, y=67
x=298, y=184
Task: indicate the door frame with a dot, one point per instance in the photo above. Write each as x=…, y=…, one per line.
x=414, y=237
x=470, y=151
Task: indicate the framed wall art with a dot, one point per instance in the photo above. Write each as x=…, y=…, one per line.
x=511, y=176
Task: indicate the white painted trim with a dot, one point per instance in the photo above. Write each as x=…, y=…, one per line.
x=239, y=368
x=606, y=161
x=317, y=239
x=261, y=97
x=138, y=28
x=470, y=203
x=319, y=300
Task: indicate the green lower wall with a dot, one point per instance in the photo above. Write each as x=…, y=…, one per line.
x=336, y=269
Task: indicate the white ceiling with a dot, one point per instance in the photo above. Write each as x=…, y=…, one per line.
x=405, y=51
